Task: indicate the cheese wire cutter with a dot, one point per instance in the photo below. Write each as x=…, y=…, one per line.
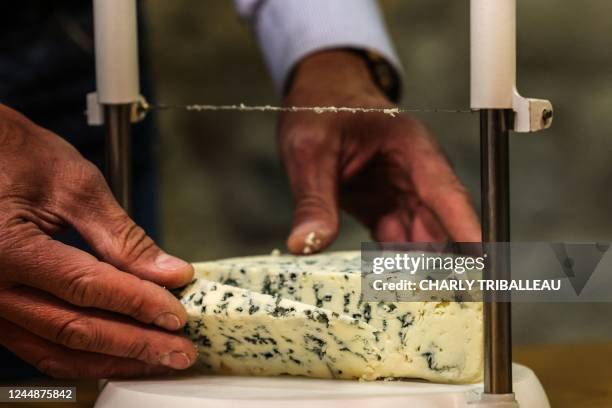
x=117, y=103
x=502, y=110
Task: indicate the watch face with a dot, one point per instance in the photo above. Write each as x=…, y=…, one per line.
x=384, y=74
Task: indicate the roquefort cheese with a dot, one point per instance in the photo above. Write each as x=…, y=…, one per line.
x=437, y=341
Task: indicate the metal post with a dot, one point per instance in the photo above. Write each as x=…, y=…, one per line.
x=494, y=131
x=118, y=87
x=118, y=151
x=494, y=93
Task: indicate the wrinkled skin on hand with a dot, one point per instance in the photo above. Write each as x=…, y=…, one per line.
x=68, y=313
x=389, y=173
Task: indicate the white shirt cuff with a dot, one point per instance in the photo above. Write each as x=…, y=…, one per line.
x=289, y=30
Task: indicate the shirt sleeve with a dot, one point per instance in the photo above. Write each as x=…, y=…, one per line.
x=289, y=30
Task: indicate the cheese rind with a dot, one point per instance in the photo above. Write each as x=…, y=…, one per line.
x=437, y=341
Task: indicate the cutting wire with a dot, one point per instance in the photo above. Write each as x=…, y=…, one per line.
x=145, y=107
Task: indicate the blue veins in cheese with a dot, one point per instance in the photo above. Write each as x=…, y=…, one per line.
x=238, y=331
x=436, y=341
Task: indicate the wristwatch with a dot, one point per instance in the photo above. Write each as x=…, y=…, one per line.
x=384, y=75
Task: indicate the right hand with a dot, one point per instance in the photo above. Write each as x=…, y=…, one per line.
x=68, y=313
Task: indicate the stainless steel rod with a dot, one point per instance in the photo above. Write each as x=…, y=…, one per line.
x=118, y=151
x=494, y=131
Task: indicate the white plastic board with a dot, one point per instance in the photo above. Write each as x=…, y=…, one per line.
x=294, y=392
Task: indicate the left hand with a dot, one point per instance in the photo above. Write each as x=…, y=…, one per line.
x=389, y=173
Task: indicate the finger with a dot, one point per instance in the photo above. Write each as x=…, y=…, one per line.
x=94, y=331
x=438, y=188
x=391, y=228
x=410, y=224
x=92, y=210
x=80, y=279
x=313, y=176
x=374, y=200
x=60, y=362
x=426, y=227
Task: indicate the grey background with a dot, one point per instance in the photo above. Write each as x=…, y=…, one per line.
x=224, y=191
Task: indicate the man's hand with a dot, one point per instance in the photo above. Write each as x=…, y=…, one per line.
x=389, y=173
x=68, y=313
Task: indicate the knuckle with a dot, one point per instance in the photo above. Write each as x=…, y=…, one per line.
x=452, y=190
x=88, y=177
x=310, y=202
x=64, y=370
x=88, y=290
x=140, y=350
x=304, y=141
x=311, y=205
x=18, y=238
x=430, y=194
x=53, y=368
x=80, y=334
x=85, y=180
x=459, y=190
x=134, y=243
x=79, y=290
x=137, y=307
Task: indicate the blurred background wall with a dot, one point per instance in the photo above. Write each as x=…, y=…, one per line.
x=224, y=190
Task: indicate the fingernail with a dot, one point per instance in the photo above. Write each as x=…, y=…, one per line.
x=309, y=237
x=177, y=360
x=169, y=262
x=168, y=321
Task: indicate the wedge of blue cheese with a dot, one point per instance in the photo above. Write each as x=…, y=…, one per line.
x=242, y=332
x=436, y=341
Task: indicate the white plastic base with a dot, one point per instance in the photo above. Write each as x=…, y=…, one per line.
x=282, y=392
x=496, y=401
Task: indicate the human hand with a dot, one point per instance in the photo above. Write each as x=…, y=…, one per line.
x=66, y=312
x=389, y=173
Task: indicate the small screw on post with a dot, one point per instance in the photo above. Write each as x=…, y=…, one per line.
x=547, y=116
x=139, y=110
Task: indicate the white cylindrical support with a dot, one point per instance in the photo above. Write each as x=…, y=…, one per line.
x=493, y=53
x=116, y=43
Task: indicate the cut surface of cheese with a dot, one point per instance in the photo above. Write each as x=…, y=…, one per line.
x=437, y=341
x=241, y=332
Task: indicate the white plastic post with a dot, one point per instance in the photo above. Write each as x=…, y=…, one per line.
x=116, y=43
x=493, y=42
x=493, y=66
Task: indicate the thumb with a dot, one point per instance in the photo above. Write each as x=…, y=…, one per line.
x=116, y=239
x=313, y=177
